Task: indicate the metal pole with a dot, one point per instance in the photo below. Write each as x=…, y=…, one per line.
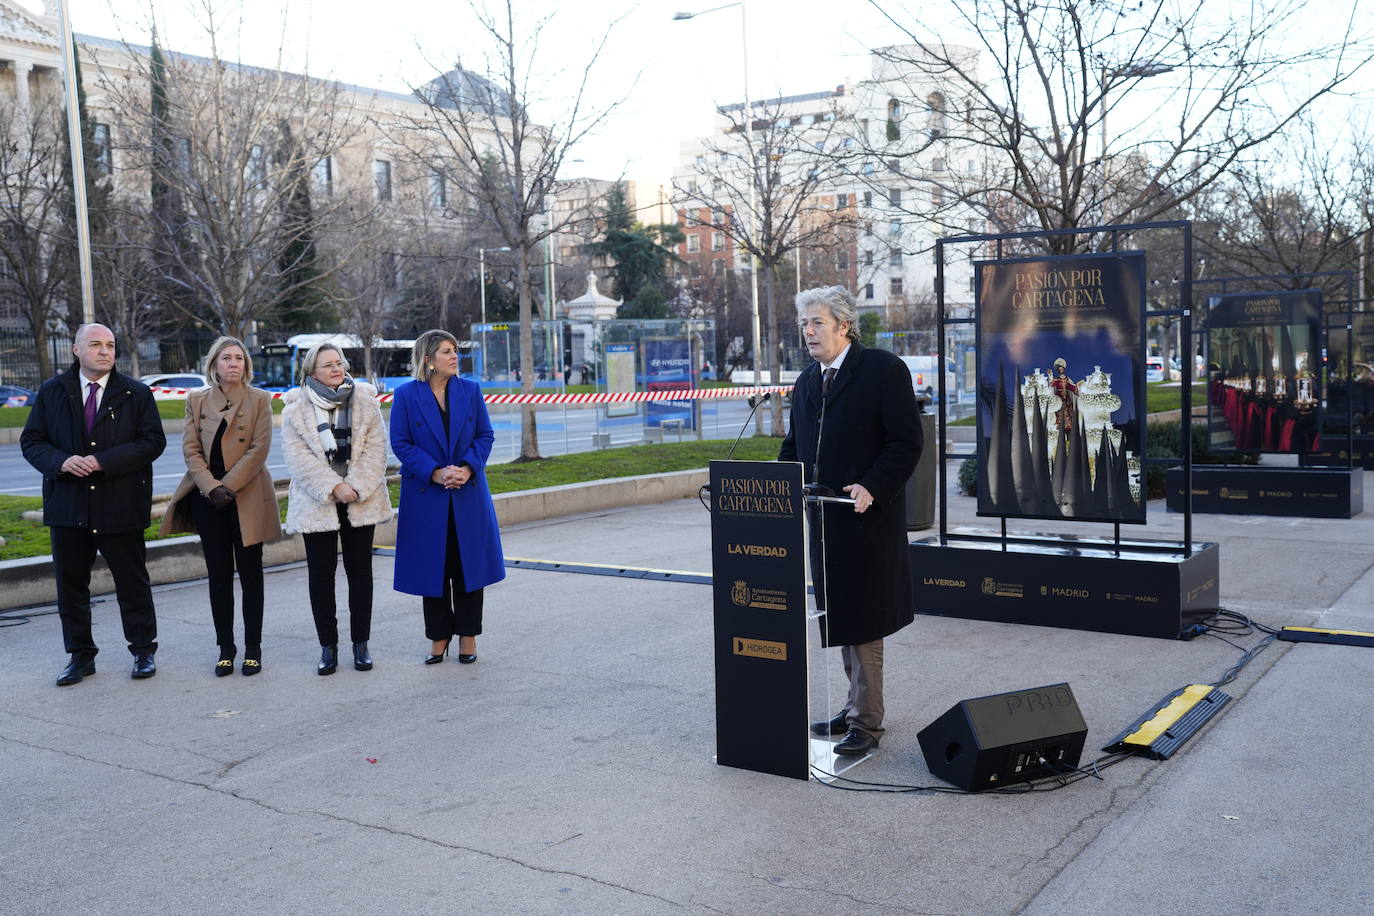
x=482, y=287
x=753, y=211
x=83, y=226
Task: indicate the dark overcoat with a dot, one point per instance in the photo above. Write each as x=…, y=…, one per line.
x=418, y=439
x=868, y=432
x=127, y=438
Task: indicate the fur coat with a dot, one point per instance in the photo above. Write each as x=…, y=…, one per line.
x=310, y=503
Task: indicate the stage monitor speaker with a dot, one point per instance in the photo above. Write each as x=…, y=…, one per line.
x=987, y=742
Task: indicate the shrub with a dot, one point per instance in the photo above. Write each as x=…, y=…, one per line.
x=1161, y=441
x=968, y=477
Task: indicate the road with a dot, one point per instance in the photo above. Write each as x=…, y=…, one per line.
x=560, y=432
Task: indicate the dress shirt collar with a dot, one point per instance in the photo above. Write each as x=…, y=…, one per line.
x=839, y=360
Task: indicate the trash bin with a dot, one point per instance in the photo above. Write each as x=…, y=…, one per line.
x=920, y=487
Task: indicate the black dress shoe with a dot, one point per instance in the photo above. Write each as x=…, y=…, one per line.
x=224, y=667
x=362, y=659
x=856, y=744
x=329, y=660
x=80, y=666
x=464, y=659
x=143, y=667
x=836, y=726
x=436, y=659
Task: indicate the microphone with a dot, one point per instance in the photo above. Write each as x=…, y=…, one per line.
x=753, y=406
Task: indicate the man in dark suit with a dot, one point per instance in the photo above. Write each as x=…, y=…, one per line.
x=94, y=434
x=855, y=427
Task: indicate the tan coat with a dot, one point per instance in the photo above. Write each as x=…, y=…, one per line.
x=245, y=445
x=311, y=506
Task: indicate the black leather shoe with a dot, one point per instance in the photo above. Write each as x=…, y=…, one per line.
x=362, y=659
x=143, y=667
x=329, y=660
x=436, y=659
x=224, y=667
x=856, y=744
x=466, y=659
x=76, y=669
x=836, y=726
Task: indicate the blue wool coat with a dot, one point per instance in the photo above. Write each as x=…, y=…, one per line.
x=417, y=438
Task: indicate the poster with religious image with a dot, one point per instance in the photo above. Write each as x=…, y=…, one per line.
x=1350, y=376
x=1264, y=363
x=1061, y=387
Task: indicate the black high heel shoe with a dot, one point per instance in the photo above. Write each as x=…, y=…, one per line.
x=466, y=658
x=436, y=659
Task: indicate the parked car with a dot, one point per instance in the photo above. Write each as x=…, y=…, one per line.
x=1154, y=369
x=925, y=381
x=179, y=381
x=14, y=396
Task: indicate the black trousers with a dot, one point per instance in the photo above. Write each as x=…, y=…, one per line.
x=457, y=610
x=222, y=544
x=73, y=555
x=321, y=562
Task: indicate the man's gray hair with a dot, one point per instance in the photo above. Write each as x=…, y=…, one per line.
x=836, y=298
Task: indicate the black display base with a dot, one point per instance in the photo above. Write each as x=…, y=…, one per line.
x=1304, y=492
x=1143, y=589
x=1339, y=451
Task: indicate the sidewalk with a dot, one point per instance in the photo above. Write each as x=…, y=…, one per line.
x=569, y=770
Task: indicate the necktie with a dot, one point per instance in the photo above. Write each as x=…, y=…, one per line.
x=92, y=402
x=826, y=376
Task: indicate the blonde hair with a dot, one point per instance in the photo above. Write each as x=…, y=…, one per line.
x=426, y=345
x=312, y=356
x=218, y=347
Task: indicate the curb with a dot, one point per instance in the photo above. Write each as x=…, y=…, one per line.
x=29, y=582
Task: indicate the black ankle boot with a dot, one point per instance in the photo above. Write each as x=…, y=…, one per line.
x=329, y=660
x=362, y=659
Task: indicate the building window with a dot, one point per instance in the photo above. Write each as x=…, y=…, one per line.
x=324, y=175
x=868, y=198
x=868, y=168
x=255, y=175
x=868, y=290
x=694, y=270
x=868, y=227
x=391, y=270
x=718, y=267
x=937, y=196
x=895, y=196
x=868, y=258
x=716, y=184
x=700, y=161
x=438, y=190
x=935, y=117
x=895, y=286
x=693, y=243
x=842, y=200
x=104, y=157
x=717, y=241
x=894, y=120
x=693, y=186
x=842, y=260
x=381, y=174
x=894, y=227
x=894, y=256
x=937, y=164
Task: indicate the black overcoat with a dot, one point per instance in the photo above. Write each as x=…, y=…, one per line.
x=127, y=438
x=869, y=432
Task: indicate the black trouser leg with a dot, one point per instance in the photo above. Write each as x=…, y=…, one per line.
x=217, y=544
x=249, y=562
x=73, y=552
x=321, y=562
x=357, y=563
x=126, y=555
x=457, y=610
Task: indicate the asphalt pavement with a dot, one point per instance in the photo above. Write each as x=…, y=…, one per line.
x=570, y=769
x=562, y=431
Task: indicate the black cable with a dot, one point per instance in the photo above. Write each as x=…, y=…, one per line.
x=1043, y=784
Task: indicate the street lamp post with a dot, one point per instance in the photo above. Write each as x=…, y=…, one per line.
x=748, y=127
x=482, y=287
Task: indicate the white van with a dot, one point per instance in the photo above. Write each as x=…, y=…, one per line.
x=924, y=380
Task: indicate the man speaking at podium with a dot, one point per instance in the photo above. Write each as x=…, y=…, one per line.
x=856, y=430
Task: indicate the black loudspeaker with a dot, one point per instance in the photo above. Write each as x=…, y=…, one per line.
x=994, y=741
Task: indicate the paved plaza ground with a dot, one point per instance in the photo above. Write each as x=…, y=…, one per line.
x=570, y=770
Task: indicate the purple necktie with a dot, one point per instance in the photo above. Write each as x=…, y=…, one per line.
x=92, y=402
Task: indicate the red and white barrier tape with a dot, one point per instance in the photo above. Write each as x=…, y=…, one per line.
x=605, y=397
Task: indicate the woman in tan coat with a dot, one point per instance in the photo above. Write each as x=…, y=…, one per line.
x=226, y=496
x=335, y=445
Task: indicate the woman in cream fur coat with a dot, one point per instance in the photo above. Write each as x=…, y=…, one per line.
x=335, y=445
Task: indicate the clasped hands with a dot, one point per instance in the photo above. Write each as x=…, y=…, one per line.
x=81, y=465
x=220, y=497
x=344, y=493
x=452, y=477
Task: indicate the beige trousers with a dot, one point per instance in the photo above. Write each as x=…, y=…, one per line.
x=863, y=665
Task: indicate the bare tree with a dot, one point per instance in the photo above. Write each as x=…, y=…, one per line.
x=762, y=180
x=34, y=196
x=1189, y=95
x=230, y=145
x=479, y=135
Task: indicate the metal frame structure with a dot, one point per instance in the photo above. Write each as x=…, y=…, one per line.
x=1324, y=330
x=1183, y=312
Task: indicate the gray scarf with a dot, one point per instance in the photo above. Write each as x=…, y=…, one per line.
x=333, y=409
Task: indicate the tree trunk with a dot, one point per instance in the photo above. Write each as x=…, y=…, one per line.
x=529, y=435
x=40, y=340
x=773, y=348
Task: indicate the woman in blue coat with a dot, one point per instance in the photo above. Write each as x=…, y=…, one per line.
x=448, y=545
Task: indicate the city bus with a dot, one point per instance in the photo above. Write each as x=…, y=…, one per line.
x=276, y=367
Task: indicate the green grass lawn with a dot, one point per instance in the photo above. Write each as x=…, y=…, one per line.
x=28, y=539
